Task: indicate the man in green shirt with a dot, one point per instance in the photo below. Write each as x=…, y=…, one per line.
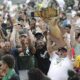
x=7, y=68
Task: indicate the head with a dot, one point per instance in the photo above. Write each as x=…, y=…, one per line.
x=36, y=74
x=73, y=75
x=68, y=28
x=62, y=52
x=2, y=44
x=24, y=39
x=7, y=46
x=33, y=23
x=40, y=44
x=7, y=62
x=25, y=16
x=18, y=26
x=22, y=21
x=62, y=15
x=39, y=36
x=78, y=15
x=78, y=38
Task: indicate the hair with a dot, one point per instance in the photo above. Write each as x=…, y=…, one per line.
x=36, y=74
x=78, y=14
x=21, y=19
x=39, y=35
x=72, y=75
x=64, y=13
x=25, y=13
x=33, y=19
x=68, y=26
x=78, y=35
x=9, y=60
x=62, y=49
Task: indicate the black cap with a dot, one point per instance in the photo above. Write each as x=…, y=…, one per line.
x=39, y=35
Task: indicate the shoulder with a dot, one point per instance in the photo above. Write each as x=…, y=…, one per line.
x=53, y=56
x=15, y=77
x=14, y=51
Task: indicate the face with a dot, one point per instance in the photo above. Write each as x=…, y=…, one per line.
x=2, y=44
x=62, y=54
x=62, y=16
x=67, y=30
x=40, y=44
x=3, y=67
x=22, y=22
x=19, y=27
x=24, y=39
x=7, y=46
x=32, y=24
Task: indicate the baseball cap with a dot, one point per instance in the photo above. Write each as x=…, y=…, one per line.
x=38, y=35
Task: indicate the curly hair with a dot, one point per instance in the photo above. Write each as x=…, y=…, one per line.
x=9, y=60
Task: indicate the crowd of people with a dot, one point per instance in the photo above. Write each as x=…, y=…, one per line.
x=32, y=48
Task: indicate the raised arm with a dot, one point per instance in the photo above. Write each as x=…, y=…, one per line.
x=72, y=33
x=31, y=38
x=49, y=45
x=15, y=37
x=12, y=38
x=32, y=42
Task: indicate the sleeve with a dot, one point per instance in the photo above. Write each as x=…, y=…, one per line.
x=53, y=56
x=15, y=52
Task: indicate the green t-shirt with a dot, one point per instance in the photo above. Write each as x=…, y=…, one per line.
x=9, y=74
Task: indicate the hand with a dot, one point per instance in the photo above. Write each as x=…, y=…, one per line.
x=20, y=49
x=27, y=26
x=53, y=44
x=48, y=34
x=21, y=54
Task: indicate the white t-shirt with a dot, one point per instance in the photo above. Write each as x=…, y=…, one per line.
x=59, y=68
x=5, y=2
x=78, y=22
x=27, y=1
x=61, y=3
x=73, y=13
x=45, y=3
x=67, y=37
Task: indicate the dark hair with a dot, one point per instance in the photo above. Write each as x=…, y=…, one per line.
x=68, y=26
x=20, y=19
x=9, y=60
x=64, y=13
x=25, y=13
x=78, y=14
x=39, y=35
x=33, y=19
x=62, y=49
x=72, y=75
x=78, y=35
x=32, y=14
x=36, y=74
